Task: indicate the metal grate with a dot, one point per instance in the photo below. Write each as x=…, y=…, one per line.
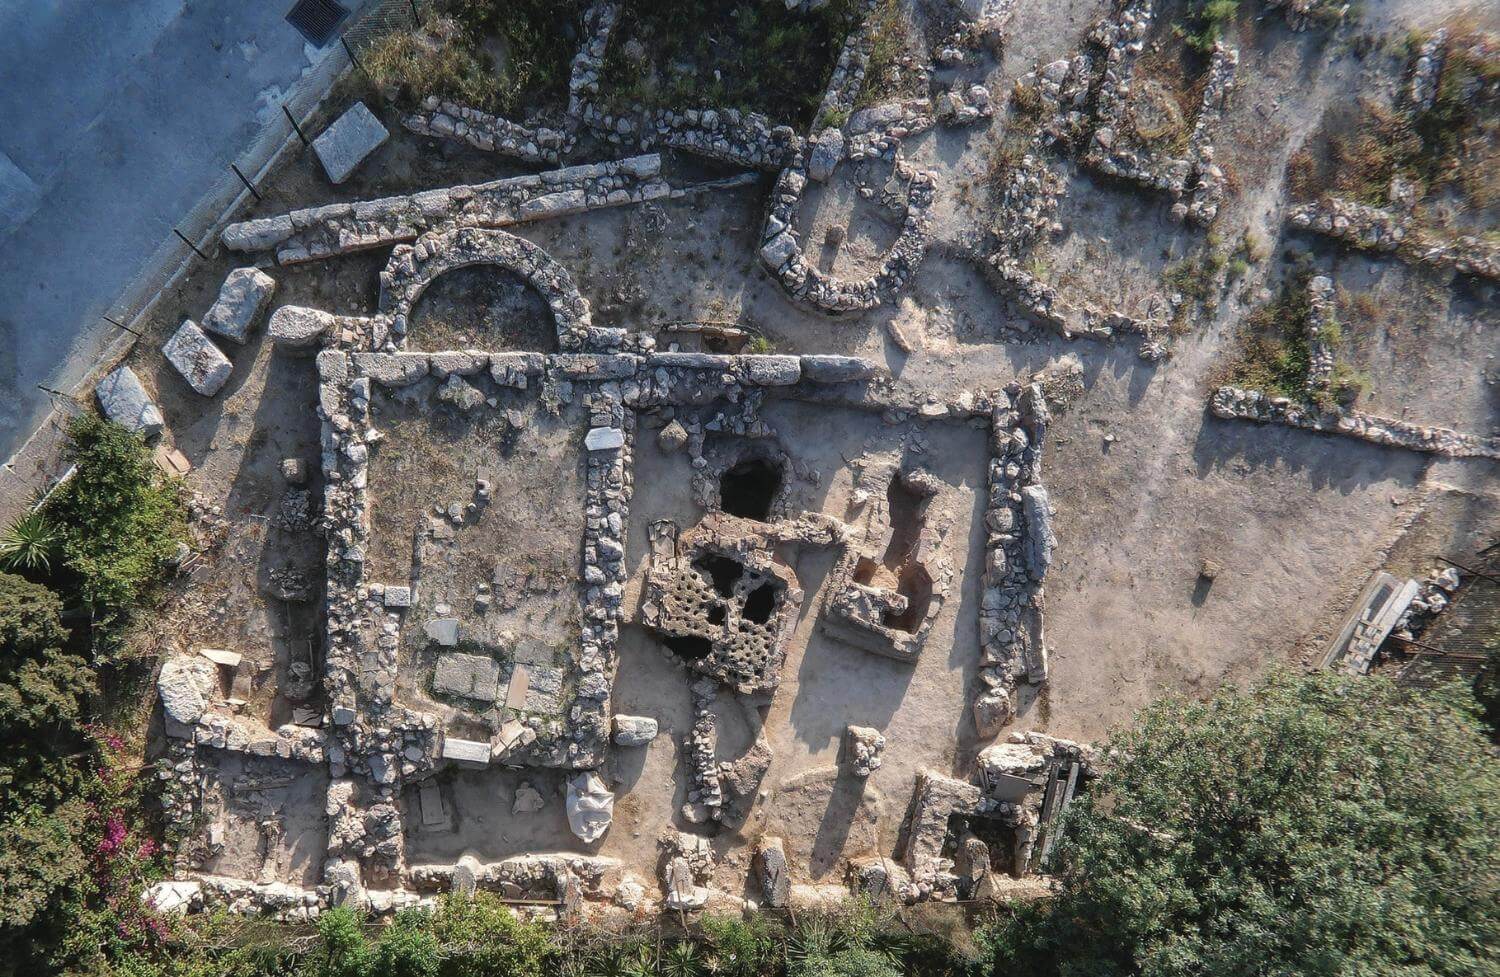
x=317, y=20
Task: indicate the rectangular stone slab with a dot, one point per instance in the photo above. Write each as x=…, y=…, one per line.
x=345, y=144
x=466, y=751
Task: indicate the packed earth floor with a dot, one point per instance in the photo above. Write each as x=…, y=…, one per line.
x=628, y=506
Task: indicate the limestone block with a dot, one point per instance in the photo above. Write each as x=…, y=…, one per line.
x=200, y=362
x=604, y=439
x=829, y=368
x=466, y=751
x=771, y=870
x=772, y=371
x=124, y=400
x=184, y=685
x=345, y=144
x=591, y=806
x=634, y=730
x=242, y=298
x=295, y=327
x=827, y=153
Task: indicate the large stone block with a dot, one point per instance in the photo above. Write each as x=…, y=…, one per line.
x=242, y=298
x=470, y=676
x=345, y=144
x=124, y=400
x=295, y=327
x=194, y=355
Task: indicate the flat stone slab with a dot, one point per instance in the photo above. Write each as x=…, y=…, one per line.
x=345, y=144
x=397, y=597
x=443, y=631
x=124, y=400
x=604, y=439
x=466, y=751
x=242, y=298
x=205, y=368
x=471, y=676
x=229, y=659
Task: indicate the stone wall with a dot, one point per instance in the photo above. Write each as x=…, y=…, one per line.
x=1018, y=550
x=447, y=120
x=1112, y=152
x=1367, y=228
x=320, y=232
x=1252, y=405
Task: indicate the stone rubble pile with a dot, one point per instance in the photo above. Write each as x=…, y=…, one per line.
x=705, y=794
x=1320, y=321
x=1234, y=403
x=863, y=747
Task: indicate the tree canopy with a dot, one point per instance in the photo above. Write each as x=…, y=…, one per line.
x=1313, y=825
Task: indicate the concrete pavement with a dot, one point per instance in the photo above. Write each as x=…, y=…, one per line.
x=116, y=119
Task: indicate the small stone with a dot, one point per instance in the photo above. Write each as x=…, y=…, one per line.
x=294, y=471
x=528, y=800
x=673, y=437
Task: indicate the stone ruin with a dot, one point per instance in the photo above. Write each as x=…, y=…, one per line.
x=420, y=674
x=718, y=594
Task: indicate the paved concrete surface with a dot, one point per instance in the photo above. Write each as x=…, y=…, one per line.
x=116, y=118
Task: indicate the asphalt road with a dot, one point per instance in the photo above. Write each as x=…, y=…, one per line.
x=116, y=118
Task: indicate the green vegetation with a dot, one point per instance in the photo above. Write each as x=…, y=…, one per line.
x=72, y=863
x=1452, y=145
x=753, y=56
x=29, y=544
x=1313, y=825
x=120, y=522
x=497, y=56
x=759, y=344
x=1207, y=21
x=889, y=40
x=1273, y=355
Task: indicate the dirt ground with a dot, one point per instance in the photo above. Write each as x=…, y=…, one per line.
x=1146, y=484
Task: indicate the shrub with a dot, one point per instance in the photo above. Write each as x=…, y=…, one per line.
x=29, y=543
x=480, y=936
x=740, y=946
x=119, y=518
x=29, y=618
x=341, y=950
x=1313, y=825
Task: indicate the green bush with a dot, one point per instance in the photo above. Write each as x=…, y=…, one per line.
x=120, y=520
x=1313, y=825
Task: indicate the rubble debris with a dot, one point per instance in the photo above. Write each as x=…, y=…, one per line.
x=863, y=747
